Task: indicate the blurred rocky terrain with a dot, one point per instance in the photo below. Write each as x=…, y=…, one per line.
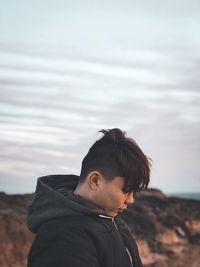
x=167, y=230
x=14, y=235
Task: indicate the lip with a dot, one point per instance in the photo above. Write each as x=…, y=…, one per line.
x=121, y=210
x=124, y=208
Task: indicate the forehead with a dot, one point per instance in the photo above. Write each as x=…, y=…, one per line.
x=116, y=181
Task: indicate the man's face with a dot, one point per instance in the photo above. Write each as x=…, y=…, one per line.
x=111, y=198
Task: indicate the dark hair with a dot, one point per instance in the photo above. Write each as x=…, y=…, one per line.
x=117, y=155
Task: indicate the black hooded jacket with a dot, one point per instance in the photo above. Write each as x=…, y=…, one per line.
x=72, y=232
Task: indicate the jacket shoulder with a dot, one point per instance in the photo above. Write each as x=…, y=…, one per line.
x=59, y=241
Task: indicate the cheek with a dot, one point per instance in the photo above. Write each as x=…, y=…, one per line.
x=116, y=199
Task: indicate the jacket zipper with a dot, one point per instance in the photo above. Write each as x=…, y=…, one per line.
x=115, y=225
x=129, y=255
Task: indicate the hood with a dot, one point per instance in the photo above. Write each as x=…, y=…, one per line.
x=54, y=198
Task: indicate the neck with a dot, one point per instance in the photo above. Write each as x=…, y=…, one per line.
x=82, y=192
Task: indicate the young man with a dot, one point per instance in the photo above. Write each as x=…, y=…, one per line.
x=75, y=218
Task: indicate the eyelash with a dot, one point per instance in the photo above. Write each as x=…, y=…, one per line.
x=127, y=190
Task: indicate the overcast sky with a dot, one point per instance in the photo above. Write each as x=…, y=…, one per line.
x=71, y=68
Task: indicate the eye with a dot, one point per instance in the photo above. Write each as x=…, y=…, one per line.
x=128, y=189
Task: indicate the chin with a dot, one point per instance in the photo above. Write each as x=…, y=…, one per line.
x=112, y=214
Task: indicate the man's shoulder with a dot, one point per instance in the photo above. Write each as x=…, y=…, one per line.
x=71, y=231
x=71, y=222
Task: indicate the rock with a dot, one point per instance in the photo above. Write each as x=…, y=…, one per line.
x=194, y=225
x=166, y=229
x=14, y=235
x=152, y=192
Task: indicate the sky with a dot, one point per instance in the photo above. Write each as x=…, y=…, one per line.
x=71, y=68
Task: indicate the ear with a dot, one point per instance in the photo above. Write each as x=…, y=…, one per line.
x=94, y=179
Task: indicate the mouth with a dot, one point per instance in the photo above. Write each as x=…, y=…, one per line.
x=121, y=210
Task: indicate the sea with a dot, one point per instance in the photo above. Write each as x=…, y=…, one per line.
x=185, y=195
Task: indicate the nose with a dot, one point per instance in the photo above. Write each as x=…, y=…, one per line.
x=130, y=198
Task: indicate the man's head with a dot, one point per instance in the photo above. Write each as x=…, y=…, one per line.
x=114, y=169
x=117, y=155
